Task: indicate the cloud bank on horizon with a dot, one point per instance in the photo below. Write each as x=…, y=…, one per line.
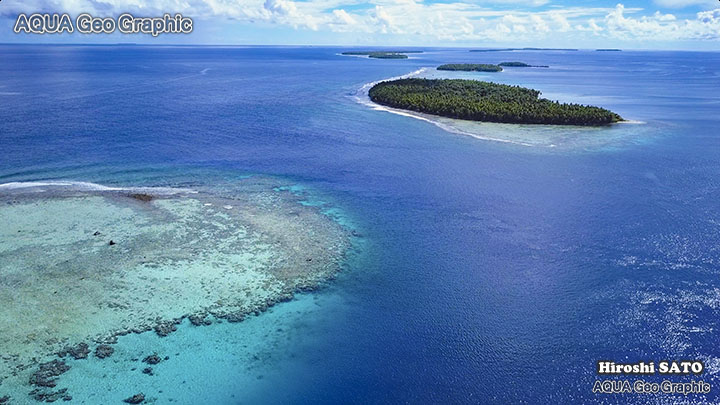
x=438, y=21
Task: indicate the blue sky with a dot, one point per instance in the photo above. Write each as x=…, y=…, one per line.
x=637, y=24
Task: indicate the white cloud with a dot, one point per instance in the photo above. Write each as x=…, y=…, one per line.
x=709, y=17
x=684, y=3
x=286, y=12
x=342, y=17
x=383, y=19
x=461, y=20
x=594, y=27
x=662, y=26
x=538, y=24
x=532, y=3
x=560, y=21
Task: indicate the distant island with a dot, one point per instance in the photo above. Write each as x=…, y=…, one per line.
x=522, y=49
x=384, y=55
x=381, y=54
x=608, y=50
x=484, y=67
x=520, y=64
x=470, y=67
x=485, y=101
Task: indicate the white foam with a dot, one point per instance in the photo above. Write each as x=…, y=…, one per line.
x=80, y=185
x=632, y=122
x=449, y=124
x=363, y=98
x=356, y=56
x=42, y=186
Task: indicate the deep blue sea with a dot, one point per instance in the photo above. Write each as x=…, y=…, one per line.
x=488, y=271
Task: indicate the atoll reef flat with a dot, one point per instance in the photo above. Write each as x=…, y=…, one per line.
x=113, y=262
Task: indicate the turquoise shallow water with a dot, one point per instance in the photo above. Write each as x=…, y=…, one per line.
x=486, y=271
x=93, y=265
x=222, y=363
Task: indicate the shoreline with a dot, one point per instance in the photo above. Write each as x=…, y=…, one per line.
x=363, y=98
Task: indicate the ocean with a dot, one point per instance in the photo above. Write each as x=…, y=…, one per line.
x=490, y=263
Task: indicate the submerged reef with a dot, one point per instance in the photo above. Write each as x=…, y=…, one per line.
x=221, y=253
x=135, y=399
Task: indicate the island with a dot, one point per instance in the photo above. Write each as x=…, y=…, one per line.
x=522, y=49
x=385, y=55
x=484, y=101
x=520, y=64
x=381, y=54
x=470, y=67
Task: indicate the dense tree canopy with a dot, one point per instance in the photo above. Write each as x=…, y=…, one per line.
x=485, y=101
x=471, y=67
x=381, y=54
x=387, y=55
x=514, y=64
x=369, y=52
x=519, y=64
x=522, y=49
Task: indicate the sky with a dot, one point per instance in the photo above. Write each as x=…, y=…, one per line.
x=630, y=24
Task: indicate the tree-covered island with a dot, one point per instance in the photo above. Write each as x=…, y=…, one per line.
x=520, y=64
x=485, y=101
x=470, y=67
x=522, y=49
x=381, y=54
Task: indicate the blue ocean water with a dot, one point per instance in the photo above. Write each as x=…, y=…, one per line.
x=489, y=272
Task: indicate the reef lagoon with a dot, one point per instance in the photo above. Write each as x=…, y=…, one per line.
x=84, y=264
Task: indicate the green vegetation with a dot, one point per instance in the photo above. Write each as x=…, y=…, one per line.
x=522, y=49
x=381, y=54
x=387, y=55
x=470, y=67
x=482, y=67
x=485, y=101
x=514, y=64
x=369, y=52
x=519, y=64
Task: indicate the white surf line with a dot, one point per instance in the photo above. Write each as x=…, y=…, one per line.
x=14, y=185
x=366, y=87
x=87, y=186
x=363, y=98
x=357, y=56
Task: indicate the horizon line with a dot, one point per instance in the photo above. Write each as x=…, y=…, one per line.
x=529, y=48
